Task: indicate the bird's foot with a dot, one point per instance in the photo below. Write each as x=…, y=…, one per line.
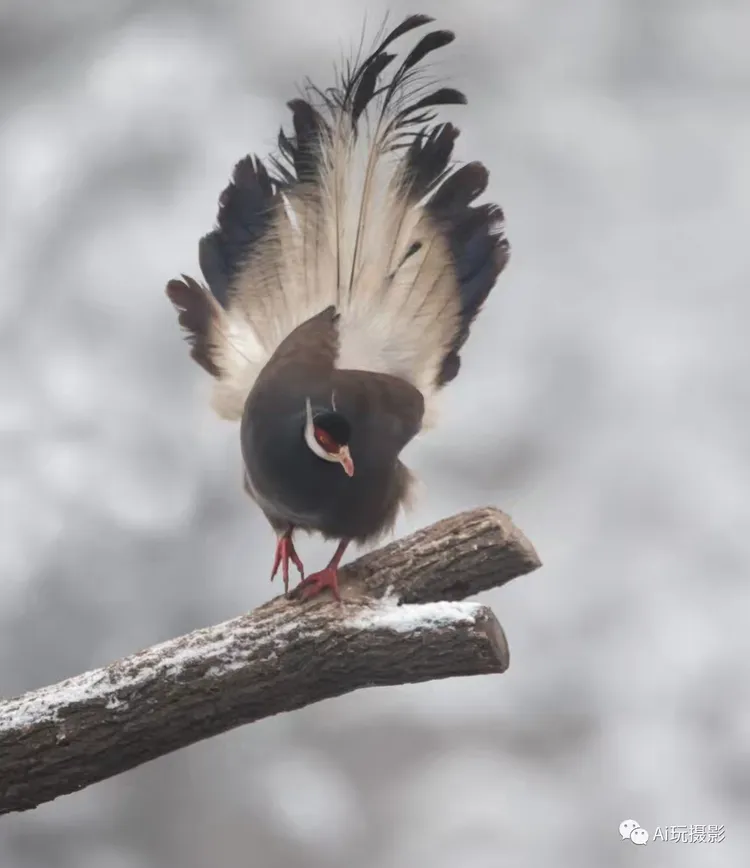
x=317, y=582
x=286, y=552
x=327, y=578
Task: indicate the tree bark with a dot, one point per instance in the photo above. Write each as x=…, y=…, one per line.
x=398, y=623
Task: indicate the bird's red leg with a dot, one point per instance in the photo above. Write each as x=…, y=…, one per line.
x=286, y=552
x=327, y=578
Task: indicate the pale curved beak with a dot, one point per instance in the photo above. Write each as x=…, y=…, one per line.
x=345, y=458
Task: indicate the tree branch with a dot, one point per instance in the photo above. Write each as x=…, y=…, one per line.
x=398, y=624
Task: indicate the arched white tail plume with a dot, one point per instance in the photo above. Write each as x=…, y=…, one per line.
x=362, y=209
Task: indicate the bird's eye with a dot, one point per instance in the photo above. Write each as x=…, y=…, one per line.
x=325, y=440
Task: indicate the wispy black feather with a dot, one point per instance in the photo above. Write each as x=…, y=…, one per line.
x=360, y=88
x=478, y=246
x=411, y=22
x=366, y=84
x=441, y=97
x=431, y=42
x=460, y=189
x=245, y=216
x=196, y=317
x=350, y=84
x=308, y=128
x=427, y=159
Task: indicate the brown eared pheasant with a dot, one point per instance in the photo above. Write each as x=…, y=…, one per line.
x=343, y=276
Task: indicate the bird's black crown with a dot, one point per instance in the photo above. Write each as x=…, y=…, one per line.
x=334, y=424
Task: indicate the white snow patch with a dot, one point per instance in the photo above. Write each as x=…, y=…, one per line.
x=227, y=647
x=387, y=614
x=224, y=646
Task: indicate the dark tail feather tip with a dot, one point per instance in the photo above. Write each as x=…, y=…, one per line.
x=195, y=315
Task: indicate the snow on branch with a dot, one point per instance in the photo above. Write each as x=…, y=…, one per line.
x=400, y=622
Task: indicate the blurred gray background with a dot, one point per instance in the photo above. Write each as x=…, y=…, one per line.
x=605, y=390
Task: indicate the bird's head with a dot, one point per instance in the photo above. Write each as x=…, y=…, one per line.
x=327, y=434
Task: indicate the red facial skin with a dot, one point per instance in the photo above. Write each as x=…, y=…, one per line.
x=326, y=441
x=340, y=453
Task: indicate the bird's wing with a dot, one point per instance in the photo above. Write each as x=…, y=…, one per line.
x=394, y=408
x=364, y=211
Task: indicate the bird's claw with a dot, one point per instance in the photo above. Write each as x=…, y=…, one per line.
x=317, y=582
x=286, y=552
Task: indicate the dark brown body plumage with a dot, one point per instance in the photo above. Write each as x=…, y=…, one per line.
x=296, y=488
